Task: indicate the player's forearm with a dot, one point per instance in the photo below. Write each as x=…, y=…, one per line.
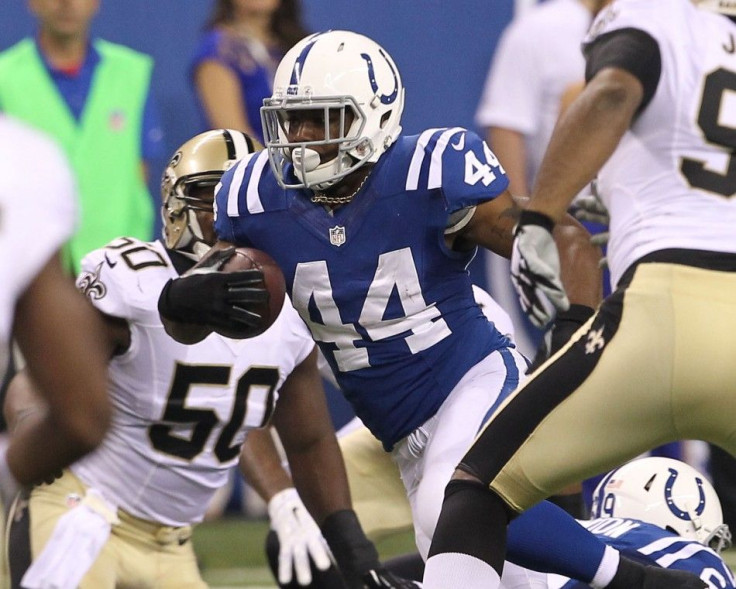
x=318, y=472
x=260, y=464
x=580, y=268
x=585, y=137
x=55, y=328
x=22, y=405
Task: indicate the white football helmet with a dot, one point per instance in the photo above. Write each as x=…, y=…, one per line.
x=342, y=73
x=727, y=7
x=200, y=162
x=667, y=493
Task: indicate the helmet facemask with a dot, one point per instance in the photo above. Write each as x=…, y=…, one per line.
x=181, y=227
x=353, y=149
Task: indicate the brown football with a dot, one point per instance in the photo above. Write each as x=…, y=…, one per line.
x=244, y=259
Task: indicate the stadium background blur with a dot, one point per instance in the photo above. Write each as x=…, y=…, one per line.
x=442, y=49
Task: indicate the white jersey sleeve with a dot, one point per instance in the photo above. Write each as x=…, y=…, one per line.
x=118, y=278
x=38, y=209
x=671, y=182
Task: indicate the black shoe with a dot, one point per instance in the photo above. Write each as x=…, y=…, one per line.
x=383, y=579
x=635, y=575
x=659, y=578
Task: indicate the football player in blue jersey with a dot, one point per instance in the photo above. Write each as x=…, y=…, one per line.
x=661, y=511
x=374, y=232
x=126, y=511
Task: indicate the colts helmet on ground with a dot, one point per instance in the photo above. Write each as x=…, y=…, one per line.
x=197, y=164
x=342, y=73
x=667, y=493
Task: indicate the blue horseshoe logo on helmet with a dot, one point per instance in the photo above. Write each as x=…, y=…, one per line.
x=679, y=513
x=385, y=98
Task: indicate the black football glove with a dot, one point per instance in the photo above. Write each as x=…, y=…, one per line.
x=380, y=578
x=228, y=301
x=355, y=554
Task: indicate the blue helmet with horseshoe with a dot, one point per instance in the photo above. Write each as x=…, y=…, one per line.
x=350, y=86
x=668, y=493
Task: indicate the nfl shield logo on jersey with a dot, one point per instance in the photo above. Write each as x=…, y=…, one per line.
x=337, y=235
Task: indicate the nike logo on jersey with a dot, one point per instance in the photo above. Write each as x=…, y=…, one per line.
x=109, y=263
x=731, y=46
x=460, y=145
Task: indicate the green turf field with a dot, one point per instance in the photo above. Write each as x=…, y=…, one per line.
x=230, y=552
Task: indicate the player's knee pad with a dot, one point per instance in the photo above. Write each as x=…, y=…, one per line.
x=469, y=504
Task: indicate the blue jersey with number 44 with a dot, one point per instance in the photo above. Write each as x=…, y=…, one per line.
x=390, y=306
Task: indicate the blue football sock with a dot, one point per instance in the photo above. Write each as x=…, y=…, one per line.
x=548, y=539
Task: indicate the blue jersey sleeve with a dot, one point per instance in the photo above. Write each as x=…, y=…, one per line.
x=459, y=163
x=238, y=194
x=224, y=226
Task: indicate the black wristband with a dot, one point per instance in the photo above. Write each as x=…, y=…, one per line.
x=577, y=313
x=536, y=218
x=355, y=554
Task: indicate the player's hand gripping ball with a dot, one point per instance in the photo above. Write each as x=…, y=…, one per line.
x=247, y=292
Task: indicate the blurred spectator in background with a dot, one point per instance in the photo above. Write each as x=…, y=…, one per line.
x=233, y=67
x=537, y=58
x=94, y=98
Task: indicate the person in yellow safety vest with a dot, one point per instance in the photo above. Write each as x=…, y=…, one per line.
x=94, y=98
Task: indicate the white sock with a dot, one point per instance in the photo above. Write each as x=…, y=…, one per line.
x=606, y=569
x=450, y=570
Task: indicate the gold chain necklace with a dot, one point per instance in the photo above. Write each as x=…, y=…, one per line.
x=322, y=198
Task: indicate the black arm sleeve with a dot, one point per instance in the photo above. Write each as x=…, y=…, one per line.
x=632, y=50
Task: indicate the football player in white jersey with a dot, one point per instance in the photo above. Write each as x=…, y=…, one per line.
x=54, y=327
x=655, y=363
x=123, y=516
x=374, y=231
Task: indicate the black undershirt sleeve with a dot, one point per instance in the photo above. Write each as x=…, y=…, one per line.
x=632, y=50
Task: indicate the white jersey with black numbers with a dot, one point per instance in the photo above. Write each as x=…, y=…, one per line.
x=38, y=213
x=672, y=181
x=181, y=412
